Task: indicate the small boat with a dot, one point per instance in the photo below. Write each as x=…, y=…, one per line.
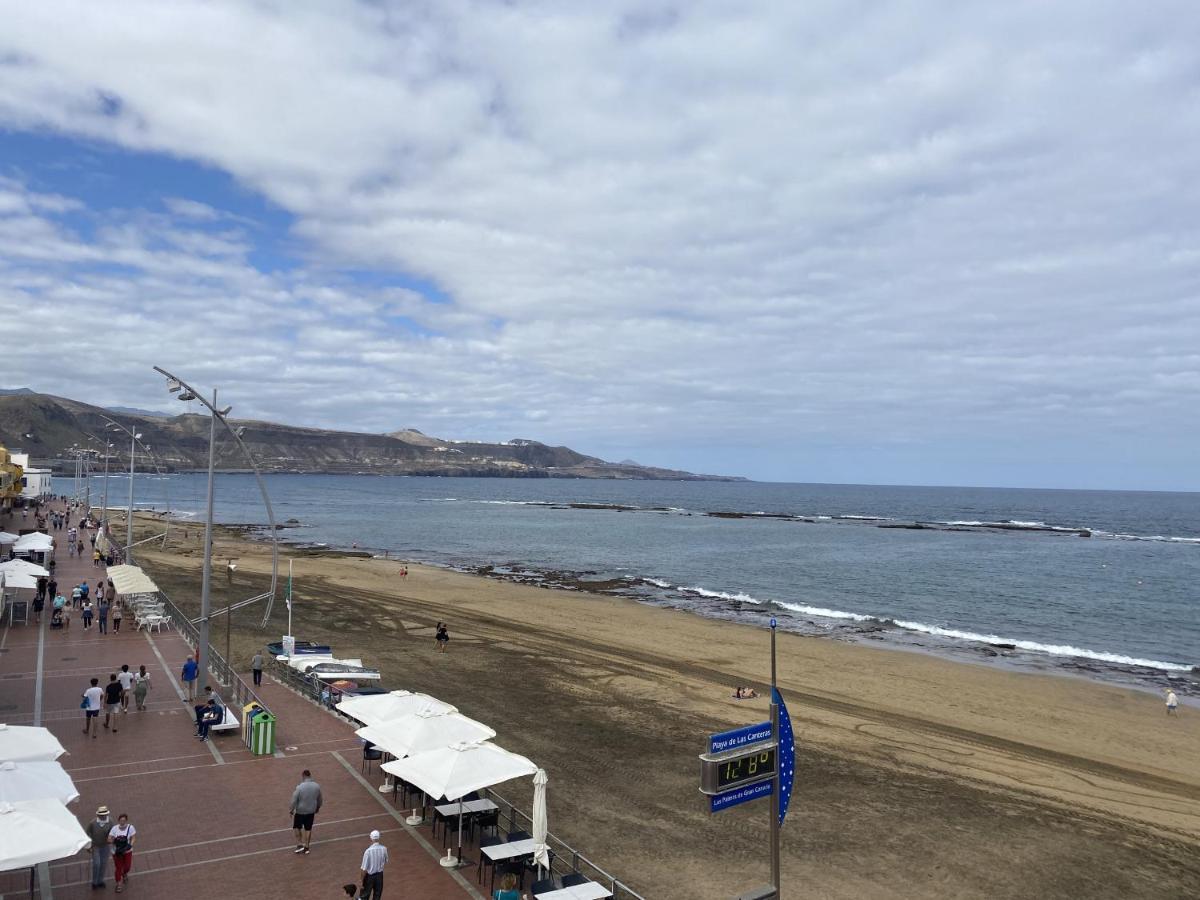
x=339, y=669
x=303, y=648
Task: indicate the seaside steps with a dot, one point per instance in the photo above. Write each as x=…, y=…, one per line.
x=212, y=819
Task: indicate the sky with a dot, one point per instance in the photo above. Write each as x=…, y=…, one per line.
x=908, y=242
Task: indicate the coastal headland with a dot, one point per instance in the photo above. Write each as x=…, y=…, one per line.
x=916, y=776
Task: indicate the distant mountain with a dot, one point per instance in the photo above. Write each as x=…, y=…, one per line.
x=47, y=427
x=134, y=411
x=8, y=392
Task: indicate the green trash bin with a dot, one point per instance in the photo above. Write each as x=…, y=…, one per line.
x=262, y=734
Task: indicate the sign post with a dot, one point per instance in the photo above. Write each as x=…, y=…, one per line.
x=752, y=762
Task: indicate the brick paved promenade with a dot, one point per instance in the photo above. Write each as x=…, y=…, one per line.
x=212, y=819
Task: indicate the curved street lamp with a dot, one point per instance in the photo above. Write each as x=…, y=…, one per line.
x=134, y=437
x=185, y=391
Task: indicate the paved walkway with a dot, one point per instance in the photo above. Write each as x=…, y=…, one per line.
x=212, y=819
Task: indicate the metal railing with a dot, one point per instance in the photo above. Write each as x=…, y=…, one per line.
x=564, y=859
x=234, y=691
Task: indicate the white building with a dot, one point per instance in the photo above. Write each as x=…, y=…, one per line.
x=36, y=482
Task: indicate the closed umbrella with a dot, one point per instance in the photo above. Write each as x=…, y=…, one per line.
x=21, y=781
x=541, y=852
x=37, y=831
x=455, y=771
x=27, y=743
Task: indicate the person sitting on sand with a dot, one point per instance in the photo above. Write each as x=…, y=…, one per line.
x=744, y=693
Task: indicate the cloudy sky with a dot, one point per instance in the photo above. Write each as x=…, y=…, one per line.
x=910, y=242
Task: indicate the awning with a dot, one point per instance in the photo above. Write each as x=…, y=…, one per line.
x=131, y=580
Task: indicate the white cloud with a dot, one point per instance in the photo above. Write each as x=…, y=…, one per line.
x=908, y=222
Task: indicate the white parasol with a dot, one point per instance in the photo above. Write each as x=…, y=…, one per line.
x=21, y=781
x=27, y=743
x=37, y=831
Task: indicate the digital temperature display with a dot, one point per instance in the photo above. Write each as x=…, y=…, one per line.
x=752, y=767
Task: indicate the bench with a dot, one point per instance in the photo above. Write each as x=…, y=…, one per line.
x=229, y=722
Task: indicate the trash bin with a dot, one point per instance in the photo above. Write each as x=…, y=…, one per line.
x=262, y=734
x=249, y=711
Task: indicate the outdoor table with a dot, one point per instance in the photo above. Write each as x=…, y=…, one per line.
x=590, y=890
x=470, y=806
x=511, y=850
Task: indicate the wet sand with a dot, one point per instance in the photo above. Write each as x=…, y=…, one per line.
x=916, y=776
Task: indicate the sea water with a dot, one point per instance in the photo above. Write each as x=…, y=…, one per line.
x=1103, y=583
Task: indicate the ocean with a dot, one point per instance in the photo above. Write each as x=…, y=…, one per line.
x=1096, y=583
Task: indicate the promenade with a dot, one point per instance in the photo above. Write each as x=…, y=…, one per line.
x=212, y=820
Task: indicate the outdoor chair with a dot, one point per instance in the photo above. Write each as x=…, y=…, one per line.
x=483, y=859
x=572, y=879
x=545, y=886
x=489, y=821
x=519, y=836
x=370, y=754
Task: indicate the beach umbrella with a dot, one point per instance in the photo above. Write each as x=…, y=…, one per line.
x=430, y=728
x=371, y=709
x=455, y=771
x=7, y=537
x=541, y=851
x=37, y=831
x=20, y=781
x=27, y=743
x=17, y=579
x=34, y=542
x=25, y=567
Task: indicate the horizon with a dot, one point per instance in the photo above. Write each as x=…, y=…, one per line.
x=718, y=240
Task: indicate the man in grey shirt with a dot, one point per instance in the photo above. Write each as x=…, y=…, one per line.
x=97, y=832
x=256, y=665
x=306, y=803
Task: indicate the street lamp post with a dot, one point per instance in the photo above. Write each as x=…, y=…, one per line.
x=187, y=392
x=104, y=514
x=134, y=437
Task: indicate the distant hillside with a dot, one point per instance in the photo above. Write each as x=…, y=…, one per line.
x=47, y=427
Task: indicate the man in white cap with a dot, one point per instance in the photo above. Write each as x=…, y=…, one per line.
x=374, y=859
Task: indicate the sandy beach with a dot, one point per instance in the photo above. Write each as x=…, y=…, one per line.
x=916, y=776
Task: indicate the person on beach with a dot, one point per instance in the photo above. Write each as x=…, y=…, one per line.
x=112, y=702
x=256, y=667
x=1172, y=703
x=375, y=857
x=122, y=837
x=93, y=698
x=442, y=637
x=141, y=685
x=188, y=676
x=306, y=803
x=98, y=831
x=126, y=679
x=86, y=613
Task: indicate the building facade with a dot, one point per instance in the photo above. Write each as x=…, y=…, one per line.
x=11, y=483
x=34, y=482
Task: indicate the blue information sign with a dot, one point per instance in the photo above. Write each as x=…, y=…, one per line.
x=739, y=737
x=718, y=802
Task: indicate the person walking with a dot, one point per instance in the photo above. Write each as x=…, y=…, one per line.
x=1172, y=703
x=126, y=679
x=116, y=617
x=86, y=613
x=93, y=698
x=256, y=666
x=189, y=677
x=52, y=588
x=442, y=637
x=98, y=831
x=112, y=702
x=141, y=684
x=122, y=838
x=375, y=857
x=306, y=803
x=102, y=617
